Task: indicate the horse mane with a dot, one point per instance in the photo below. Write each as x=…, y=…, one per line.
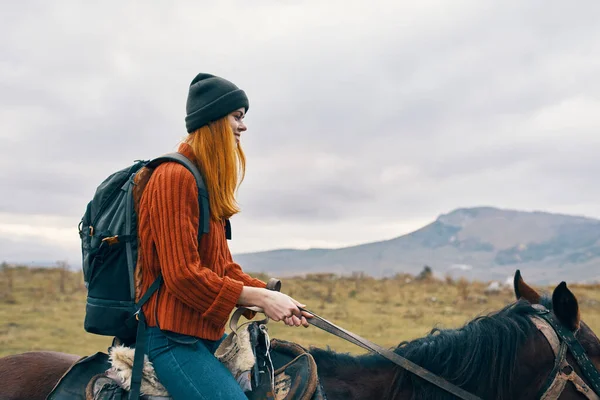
x=481, y=357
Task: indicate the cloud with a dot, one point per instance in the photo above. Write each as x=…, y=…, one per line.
x=364, y=122
x=38, y=238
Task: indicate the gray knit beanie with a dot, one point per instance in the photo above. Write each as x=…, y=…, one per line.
x=211, y=98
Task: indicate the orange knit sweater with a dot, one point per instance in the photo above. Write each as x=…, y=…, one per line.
x=202, y=284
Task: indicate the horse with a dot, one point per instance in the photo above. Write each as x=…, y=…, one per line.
x=502, y=355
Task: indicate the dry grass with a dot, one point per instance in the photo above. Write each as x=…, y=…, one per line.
x=44, y=308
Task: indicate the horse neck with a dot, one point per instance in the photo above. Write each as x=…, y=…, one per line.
x=354, y=378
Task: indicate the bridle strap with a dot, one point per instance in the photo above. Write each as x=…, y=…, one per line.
x=555, y=384
x=557, y=379
x=562, y=372
x=408, y=365
x=587, y=368
x=548, y=332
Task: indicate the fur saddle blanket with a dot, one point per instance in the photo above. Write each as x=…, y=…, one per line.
x=292, y=370
x=235, y=353
x=121, y=360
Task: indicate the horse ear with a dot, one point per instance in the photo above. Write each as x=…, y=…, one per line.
x=565, y=306
x=524, y=291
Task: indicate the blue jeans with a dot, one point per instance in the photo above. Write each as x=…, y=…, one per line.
x=188, y=369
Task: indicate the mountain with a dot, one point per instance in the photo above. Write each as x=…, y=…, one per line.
x=479, y=243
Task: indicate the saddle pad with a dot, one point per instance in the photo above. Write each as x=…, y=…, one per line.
x=73, y=383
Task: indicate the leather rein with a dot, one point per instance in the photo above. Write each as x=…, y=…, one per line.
x=559, y=338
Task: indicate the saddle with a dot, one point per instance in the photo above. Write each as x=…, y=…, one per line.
x=266, y=369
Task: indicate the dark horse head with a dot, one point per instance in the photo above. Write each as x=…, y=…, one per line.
x=501, y=356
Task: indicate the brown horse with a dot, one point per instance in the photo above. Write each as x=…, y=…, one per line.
x=502, y=355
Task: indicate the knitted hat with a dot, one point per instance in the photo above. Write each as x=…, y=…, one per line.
x=211, y=98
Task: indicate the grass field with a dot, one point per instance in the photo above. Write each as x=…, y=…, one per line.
x=44, y=308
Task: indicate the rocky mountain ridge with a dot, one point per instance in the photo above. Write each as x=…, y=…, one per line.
x=484, y=243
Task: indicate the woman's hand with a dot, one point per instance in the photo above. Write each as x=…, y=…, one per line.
x=281, y=307
x=295, y=321
x=277, y=306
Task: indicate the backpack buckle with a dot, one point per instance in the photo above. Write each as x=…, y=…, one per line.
x=111, y=240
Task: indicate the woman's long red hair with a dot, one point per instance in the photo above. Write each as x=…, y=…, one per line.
x=222, y=163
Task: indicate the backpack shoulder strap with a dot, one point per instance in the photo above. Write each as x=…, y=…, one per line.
x=140, y=347
x=202, y=192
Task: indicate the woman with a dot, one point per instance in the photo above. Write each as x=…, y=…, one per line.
x=187, y=318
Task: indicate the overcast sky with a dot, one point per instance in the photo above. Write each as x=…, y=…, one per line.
x=367, y=119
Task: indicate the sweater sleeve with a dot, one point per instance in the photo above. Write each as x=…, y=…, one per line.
x=174, y=222
x=234, y=271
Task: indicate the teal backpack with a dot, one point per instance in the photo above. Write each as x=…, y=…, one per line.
x=108, y=232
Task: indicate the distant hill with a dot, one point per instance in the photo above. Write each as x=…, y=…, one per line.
x=480, y=243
